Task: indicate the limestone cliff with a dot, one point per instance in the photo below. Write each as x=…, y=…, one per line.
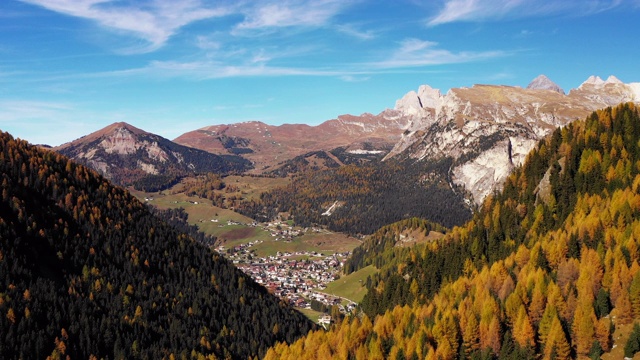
x=487, y=130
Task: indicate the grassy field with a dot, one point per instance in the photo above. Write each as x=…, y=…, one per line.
x=201, y=213
x=311, y=314
x=330, y=243
x=252, y=187
x=214, y=220
x=351, y=286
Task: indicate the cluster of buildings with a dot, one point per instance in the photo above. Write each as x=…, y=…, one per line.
x=298, y=277
x=282, y=231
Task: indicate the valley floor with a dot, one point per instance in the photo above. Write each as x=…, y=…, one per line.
x=301, y=265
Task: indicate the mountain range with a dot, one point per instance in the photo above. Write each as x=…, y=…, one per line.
x=485, y=130
x=267, y=146
x=488, y=130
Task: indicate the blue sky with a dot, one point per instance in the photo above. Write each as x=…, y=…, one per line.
x=71, y=67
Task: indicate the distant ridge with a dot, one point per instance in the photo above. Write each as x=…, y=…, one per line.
x=268, y=146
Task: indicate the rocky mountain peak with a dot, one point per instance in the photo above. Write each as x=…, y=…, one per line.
x=119, y=126
x=487, y=130
x=409, y=104
x=592, y=80
x=597, y=82
x=429, y=97
x=117, y=129
x=412, y=103
x=542, y=82
x=613, y=80
x=126, y=154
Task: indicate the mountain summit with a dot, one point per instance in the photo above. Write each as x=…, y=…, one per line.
x=542, y=82
x=597, y=82
x=128, y=155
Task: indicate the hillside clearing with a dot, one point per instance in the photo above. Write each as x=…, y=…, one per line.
x=352, y=286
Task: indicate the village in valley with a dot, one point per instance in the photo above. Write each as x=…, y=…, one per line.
x=296, y=264
x=299, y=277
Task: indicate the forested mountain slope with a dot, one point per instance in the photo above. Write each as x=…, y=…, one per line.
x=385, y=239
x=359, y=199
x=87, y=271
x=547, y=269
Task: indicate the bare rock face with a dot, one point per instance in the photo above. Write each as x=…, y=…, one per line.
x=544, y=83
x=488, y=130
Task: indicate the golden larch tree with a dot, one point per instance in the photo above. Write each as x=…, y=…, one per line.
x=557, y=342
x=583, y=327
x=523, y=330
x=471, y=334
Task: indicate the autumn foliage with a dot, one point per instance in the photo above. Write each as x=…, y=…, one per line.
x=546, y=269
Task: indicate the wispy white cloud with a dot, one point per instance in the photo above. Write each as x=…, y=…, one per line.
x=351, y=30
x=410, y=55
x=213, y=70
x=524, y=33
x=416, y=53
x=499, y=76
x=483, y=10
x=6, y=74
x=215, y=48
x=207, y=43
x=11, y=110
x=154, y=20
x=276, y=14
x=469, y=10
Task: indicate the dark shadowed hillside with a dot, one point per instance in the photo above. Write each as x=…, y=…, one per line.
x=361, y=199
x=86, y=270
